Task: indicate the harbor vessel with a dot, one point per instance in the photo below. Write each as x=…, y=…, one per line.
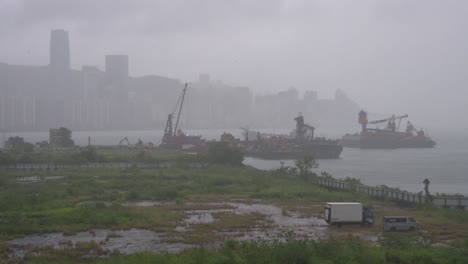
x=388, y=136
x=297, y=145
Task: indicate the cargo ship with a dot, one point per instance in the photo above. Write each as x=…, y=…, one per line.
x=387, y=137
x=297, y=145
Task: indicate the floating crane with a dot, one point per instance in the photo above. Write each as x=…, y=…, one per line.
x=169, y=132
x=174, y=138
x=125, y=139
x=388, y=137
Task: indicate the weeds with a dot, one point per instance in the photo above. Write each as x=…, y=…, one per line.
x=93, y=198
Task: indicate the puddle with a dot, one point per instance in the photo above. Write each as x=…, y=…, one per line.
x=125, y=241
x=194, y=217
x=33, y=178
x=147, y=203
x=106, y=204
x=53, y=177
x=277, y=224
x=200, y=217
x=276, y=214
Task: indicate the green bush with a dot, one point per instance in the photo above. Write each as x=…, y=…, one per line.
x=222, y=153
x=5, y=158
x=17, y=144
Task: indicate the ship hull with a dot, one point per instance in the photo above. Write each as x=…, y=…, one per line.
x=317, y=151
x=386, y=141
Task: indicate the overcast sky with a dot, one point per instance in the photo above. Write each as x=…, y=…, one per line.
x=391, y=56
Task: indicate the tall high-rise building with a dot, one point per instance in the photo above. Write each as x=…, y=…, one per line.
x=116, y=69
x=59, y=50
x=116, y=78
x=55, y=101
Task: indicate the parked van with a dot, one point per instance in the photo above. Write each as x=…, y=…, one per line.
x=399, y=223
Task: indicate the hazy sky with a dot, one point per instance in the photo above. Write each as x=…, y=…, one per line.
x=391, y=56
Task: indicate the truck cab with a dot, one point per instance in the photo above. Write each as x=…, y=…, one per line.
x=367, y=215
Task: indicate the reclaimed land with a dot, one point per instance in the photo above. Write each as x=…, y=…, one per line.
x=72, y=201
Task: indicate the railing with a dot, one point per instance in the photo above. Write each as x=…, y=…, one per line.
x=451, y=202
x=383, y=193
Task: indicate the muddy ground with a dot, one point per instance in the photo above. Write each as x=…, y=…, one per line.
x=205, y=224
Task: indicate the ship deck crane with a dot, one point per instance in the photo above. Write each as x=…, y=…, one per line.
x=392, y=118
x=169, y=132
x=302, y=129
x=391, y=125
x=246, y=133
x=125, y=139
x=411, y=129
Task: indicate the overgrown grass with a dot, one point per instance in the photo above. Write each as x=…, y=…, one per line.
x=81, y=155
x=350, y=250
x=93, y=198
x=85, y=199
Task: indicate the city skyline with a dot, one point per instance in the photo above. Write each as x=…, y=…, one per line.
x=55, y=95
x=390, y=57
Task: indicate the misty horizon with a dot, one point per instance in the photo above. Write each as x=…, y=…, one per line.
x=389, y=57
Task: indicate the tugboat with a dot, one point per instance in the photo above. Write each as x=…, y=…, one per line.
x=388, y=137
x=299, y=144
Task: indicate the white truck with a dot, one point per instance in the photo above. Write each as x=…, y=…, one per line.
x=348, y=213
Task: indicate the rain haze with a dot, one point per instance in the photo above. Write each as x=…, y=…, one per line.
x=241, y=131
x=389, y=57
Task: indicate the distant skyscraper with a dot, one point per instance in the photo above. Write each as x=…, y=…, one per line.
x=204, y=79
x=55, y=101
x=59, y=50
x=116, y=69
x=116, y=82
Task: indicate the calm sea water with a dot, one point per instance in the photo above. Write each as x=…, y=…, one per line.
x=446, y=165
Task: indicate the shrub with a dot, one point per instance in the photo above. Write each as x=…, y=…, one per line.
x=17, y=144
x=305, y=167
x=5, y=158
x=222, y=153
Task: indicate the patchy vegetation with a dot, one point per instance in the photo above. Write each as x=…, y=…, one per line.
x=70, y=201
x=222, y=153
x=18, y=145
x=218, y=153
x=81, y=155
x=350, y=250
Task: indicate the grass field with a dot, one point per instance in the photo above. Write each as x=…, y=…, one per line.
x=348, y=251
x=70, y=201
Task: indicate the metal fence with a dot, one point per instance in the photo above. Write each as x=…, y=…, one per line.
x=390, y=194
x=451, y=202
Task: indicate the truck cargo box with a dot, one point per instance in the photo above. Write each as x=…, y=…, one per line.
x=336, y=213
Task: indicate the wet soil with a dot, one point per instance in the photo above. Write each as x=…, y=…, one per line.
x=125, y=241
x=267, y=222
x=35, y=178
